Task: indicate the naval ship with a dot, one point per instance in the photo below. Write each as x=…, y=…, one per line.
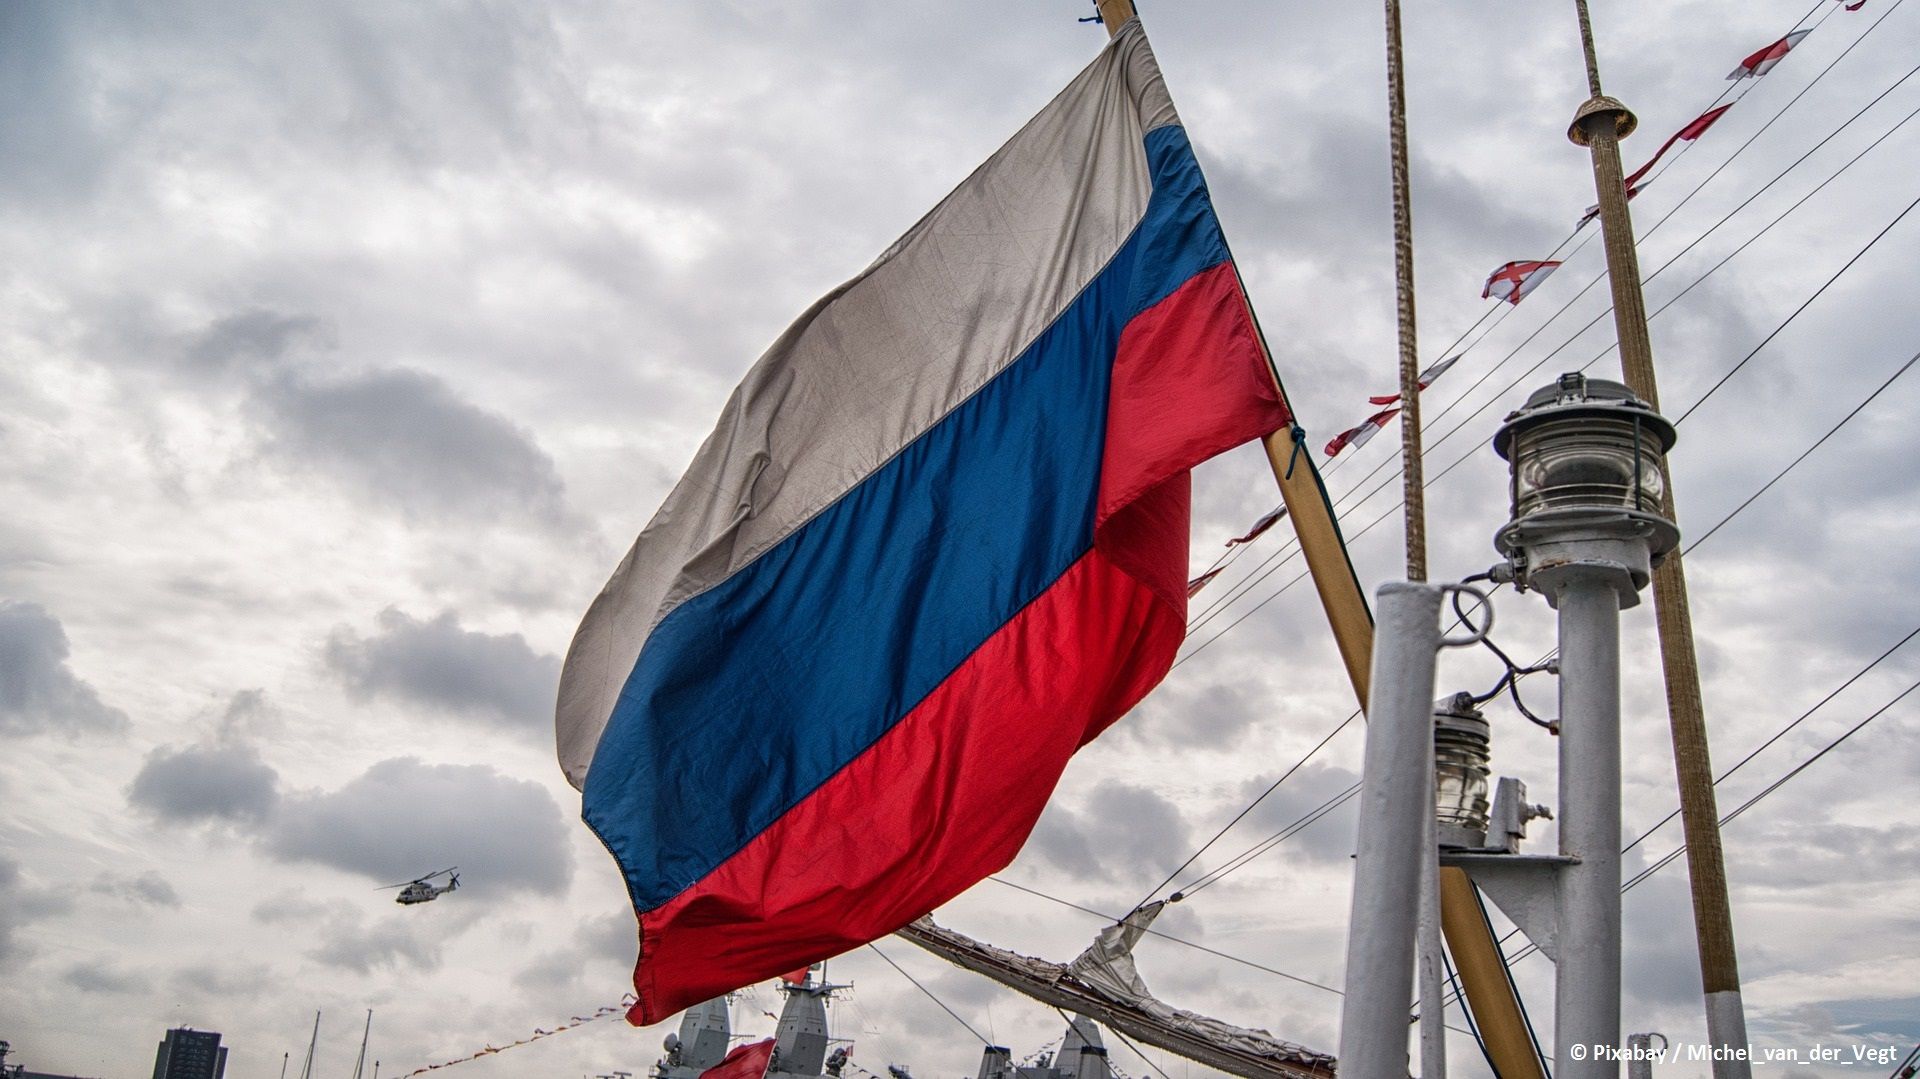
x=803, y=1048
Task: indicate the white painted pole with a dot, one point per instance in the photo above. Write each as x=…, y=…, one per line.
x=1433, y=1007
x=1392, y=845
x=1587, y=976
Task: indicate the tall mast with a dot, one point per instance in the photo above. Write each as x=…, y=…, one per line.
x=360, y=1064
x=1490, y=994
x=1433, y=1043
x=306, y=1069
x=1599, y=125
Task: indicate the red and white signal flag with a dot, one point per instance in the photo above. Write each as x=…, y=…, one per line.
x=1427, y=378
x=1260, y=526
x=1194, y=586
x=1594, y=210
x=1695, y=128
x=1762, y=61
x=1357, y=437
x=1513, y=281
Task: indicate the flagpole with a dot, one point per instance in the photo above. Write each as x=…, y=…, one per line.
x=1599, y=125
x=1489, y=990
x=1411, y=466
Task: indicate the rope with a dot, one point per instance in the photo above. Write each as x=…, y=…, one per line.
x=1413, y=501
x=1271, y=787
x=1735, y=369
x=626, y=1002
x=1253, y=578
x=929, y=993
x=1671, y=856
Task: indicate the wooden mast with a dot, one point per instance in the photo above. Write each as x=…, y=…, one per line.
x=1489, y=990
x=1599, y=125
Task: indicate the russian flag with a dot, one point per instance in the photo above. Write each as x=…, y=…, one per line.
x=936, y=543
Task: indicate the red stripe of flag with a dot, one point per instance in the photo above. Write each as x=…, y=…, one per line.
x=1695, y=128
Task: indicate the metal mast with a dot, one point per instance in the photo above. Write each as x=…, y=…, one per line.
x=1599, y=125
x=306, y=1069
x=360, y=1064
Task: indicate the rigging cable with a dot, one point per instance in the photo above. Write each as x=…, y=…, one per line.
x=1815, y=81
x=1671, y=856
x=1796, y=312
x=928, y=992
x=1247, y=582
x=1464, y=457
x=1782, y=732
x=1123, y=1038
x=1285, y=833
x=1271, y=787
x=1243, y=961
x=1669, y=214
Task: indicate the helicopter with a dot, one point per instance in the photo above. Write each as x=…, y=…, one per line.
x=422, y=889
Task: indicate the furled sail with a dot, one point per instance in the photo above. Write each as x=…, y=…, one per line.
x=1104, y=985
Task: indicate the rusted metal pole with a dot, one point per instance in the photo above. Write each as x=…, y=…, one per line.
x=1599, y=125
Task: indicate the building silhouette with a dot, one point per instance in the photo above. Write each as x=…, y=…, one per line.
x=190, y=1054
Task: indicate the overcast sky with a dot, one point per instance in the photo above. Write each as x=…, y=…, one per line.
x=347, y=345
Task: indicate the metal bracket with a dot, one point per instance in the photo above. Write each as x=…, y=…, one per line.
x=1525, y=887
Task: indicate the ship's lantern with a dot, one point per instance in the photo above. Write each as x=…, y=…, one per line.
x=1588, y=462
x=1460, y=756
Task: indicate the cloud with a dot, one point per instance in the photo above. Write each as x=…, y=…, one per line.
x=251, y=341
x=104, y=978
x=226, y=783
x=149, y=887
x=494, y=677
x=1301, y=807
x=21, y=904
x=403, y=817
x=1121, y=832
x=611, y=937
x=405, y=439
x=38, y=692
x=224, y=980
x=49, y=146
x=390, y=943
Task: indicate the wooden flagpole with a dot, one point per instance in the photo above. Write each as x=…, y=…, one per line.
x=1599, y=125
x=1489, y=990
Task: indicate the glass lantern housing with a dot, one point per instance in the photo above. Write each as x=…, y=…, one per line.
x=1586, y=453
x=1460, y=755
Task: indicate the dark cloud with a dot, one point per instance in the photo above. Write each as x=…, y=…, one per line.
x=38, y=691
x=1120, y=832
x=250, y=343
x=1216, y=715
x=1302, y=811
x=225, y=783
x=494, y=677
x=224, y=980
x=149, y=887
x=50, y=145
x=20, y=904
x=1659, y=962
x=406, y=440
x=612, y=937
x=288, y=906
x=393, y=943
x=403, y=817
x=1889, y=1022
x=104, y=978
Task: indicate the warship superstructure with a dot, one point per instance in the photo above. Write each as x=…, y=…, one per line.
x=803, y=1047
